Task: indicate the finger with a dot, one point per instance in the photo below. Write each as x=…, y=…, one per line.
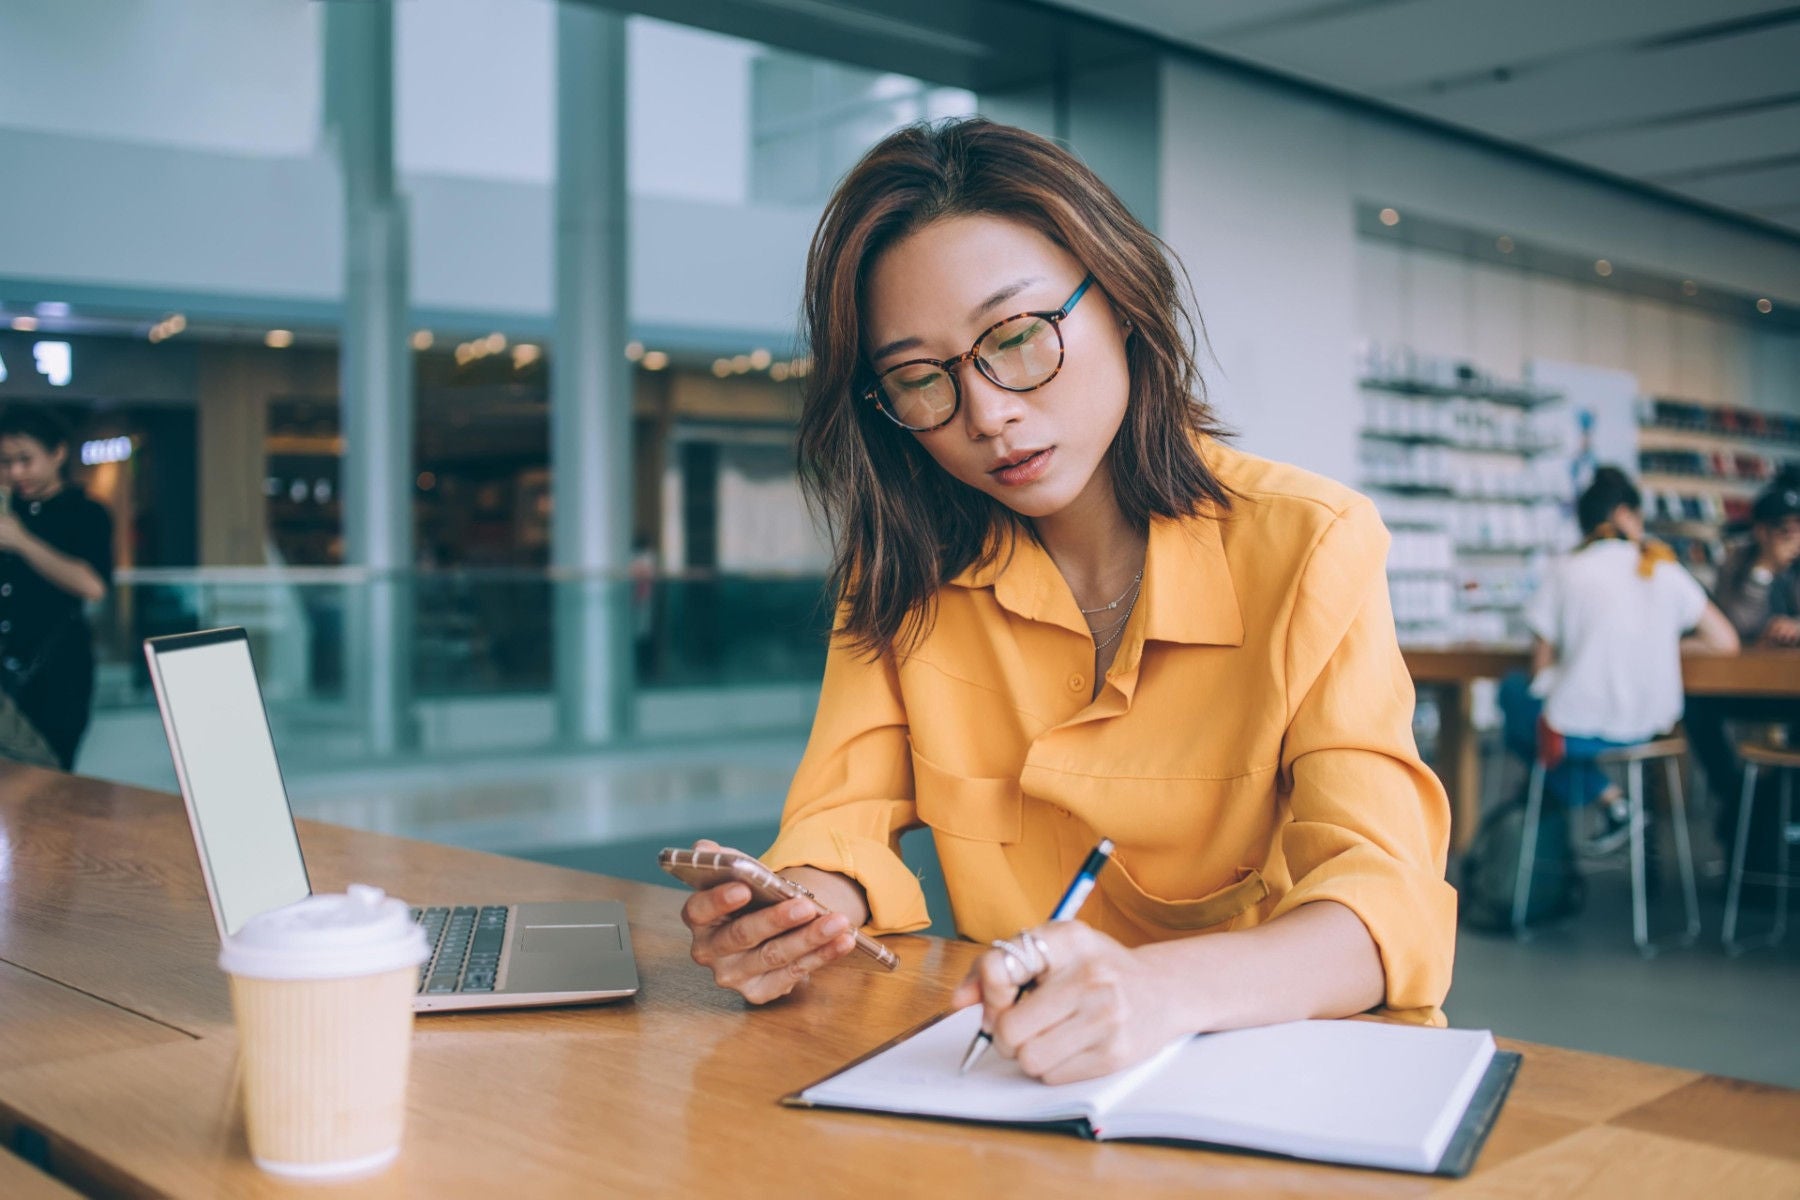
x=825, y=954
x=1042, y=1009
x=1055, y=1048
x=999, y=991
x=1102, y=1058
x=713, y=905
x=753, y=929
x=775, y=967
x=781, y=953
x=1067, y=943
x=967, y=992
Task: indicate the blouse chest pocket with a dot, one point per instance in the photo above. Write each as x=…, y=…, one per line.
x=1246, y=890
x=982, y=810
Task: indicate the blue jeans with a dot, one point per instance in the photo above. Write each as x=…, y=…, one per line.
x=1577, y=780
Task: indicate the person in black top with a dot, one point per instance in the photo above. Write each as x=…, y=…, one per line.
x=55, y=555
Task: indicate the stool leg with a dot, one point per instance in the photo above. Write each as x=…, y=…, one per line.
x=1781, y=857
x=1684, y=851
x=1640, y=909
x=1734, y=885
x=1528, y=836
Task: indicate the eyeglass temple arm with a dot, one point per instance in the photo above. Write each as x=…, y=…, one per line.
x=1069, y=305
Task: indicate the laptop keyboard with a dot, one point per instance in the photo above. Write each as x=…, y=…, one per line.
x=465, y=947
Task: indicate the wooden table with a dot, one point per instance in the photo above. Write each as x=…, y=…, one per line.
x=116, y=1051
x=1450, y=672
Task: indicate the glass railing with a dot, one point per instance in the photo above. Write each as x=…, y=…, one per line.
x=470, y=662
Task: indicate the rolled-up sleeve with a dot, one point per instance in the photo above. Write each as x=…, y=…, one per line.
x=1371, y=823
x=852, y=797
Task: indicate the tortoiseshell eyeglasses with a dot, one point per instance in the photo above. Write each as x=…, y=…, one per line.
x=1021, y=354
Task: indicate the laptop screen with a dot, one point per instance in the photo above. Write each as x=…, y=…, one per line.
x=219, y=736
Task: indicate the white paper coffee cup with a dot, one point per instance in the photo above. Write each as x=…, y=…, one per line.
x=322, y=991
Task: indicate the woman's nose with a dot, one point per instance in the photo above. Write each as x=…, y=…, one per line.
x=988, y=408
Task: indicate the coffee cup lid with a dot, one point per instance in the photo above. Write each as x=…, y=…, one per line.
x=364, y=932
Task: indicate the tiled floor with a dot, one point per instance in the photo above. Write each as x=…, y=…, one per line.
x=1581, y=985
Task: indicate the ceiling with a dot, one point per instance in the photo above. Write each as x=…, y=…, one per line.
x=1700, y=98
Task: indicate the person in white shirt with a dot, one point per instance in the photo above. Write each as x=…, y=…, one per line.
x=1610, y=623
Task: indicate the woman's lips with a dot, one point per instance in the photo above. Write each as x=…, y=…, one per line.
x=1025, y=471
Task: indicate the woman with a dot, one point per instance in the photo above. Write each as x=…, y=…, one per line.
x=57, y=548
x=1069, y=611
x=1609, y=624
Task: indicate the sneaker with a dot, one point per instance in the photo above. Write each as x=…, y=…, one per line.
x=1612, y=815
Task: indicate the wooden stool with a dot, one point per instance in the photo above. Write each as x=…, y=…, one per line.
x=1633, y=758
x=1787, y=762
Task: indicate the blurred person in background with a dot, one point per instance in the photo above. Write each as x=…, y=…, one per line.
x=1759, y=589
x=1610, y=623
x=56, y=554
x=1759, y=585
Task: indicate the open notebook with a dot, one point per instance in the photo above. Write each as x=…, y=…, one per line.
x=1358, y=1092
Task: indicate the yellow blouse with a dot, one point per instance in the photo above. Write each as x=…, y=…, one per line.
x=1251, y=749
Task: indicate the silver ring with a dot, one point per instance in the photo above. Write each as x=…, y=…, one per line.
x=1018, y=964
x=1038, y=947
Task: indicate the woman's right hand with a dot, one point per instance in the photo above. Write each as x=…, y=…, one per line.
x=766, y=954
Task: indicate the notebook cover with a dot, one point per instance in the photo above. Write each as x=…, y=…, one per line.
x=1478, y=1119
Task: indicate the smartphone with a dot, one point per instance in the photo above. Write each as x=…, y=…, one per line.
x=702, y=869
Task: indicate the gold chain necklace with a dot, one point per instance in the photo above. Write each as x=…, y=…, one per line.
x=1137, y=579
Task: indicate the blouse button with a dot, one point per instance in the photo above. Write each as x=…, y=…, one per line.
x=5, y=589
x=12, y=664
x=34, y=508
x=5, y=626
x=1076, y=683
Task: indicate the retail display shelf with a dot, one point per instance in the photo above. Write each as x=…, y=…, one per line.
x=1654, y=436
x=1518, y=397
x=1527, y=449
x=1737, y=425
x=1677, y=482
x=1448, y=492
x=1495, y=549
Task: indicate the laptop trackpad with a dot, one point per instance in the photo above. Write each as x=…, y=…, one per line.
x=575, y=941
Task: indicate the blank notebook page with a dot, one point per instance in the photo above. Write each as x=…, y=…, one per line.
x=1344, y=1091
x=919, y=1075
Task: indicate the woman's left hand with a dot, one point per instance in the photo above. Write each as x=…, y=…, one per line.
x=1098, y=1008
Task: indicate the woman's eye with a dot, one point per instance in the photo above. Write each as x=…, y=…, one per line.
x=921, y=383
x=1014, y=341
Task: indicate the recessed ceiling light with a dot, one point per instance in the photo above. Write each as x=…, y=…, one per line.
x=1689, y=288
x=1602, y=268
x=278, y=339
x=1503, y=244
x=1764, y=305
x=1390, y=216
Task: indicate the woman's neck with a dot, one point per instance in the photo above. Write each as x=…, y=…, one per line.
x=1095, y=548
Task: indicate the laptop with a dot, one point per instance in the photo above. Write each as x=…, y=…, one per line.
x=487, y=955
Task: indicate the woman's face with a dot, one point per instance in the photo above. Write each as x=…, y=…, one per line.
x=932, y=294
x=29, y=469
x=1779, y=541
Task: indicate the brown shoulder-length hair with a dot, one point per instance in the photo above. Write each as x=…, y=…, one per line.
x=901, y=527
